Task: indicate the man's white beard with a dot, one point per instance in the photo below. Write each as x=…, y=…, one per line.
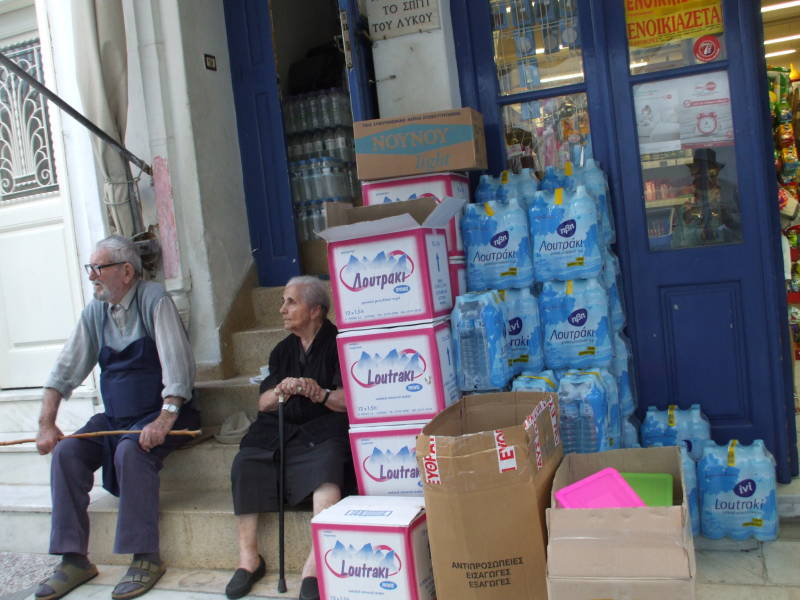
x=102, y=293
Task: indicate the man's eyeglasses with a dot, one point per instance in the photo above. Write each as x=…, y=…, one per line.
x=97, y=269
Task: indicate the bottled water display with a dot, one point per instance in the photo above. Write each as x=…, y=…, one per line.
x=496, y=242
x=620, y=366
x=544, y=381
x=690, y=481
x=527, y=184
x=737, y=491
x=675, y=427
x=630, y=432
x=583, y=407
x=486, y=190
x=479, y=337
x=596, y=184
x=565, y=235
x=523, y=330
x=575, y=324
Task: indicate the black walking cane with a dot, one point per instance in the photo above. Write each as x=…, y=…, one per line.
x=281, y=484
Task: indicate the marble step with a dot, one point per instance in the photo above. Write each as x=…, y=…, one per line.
x=251, y=348
x=19, y=411
x=198, y=529
x=218, y=399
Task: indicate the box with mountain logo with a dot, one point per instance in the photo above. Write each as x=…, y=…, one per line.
x=385, y=459
x=373, y=547
x=450, y=140
x=397, y=373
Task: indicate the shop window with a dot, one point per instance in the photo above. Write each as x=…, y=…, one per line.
x=547, y=132
x=686, y=146
x=673, y=35
x=26, y=150
x=536, y=44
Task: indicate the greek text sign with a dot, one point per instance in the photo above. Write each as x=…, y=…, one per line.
x=656, y=22
x=392, y=18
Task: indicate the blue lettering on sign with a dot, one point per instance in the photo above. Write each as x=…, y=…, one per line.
x=578, y=317
x=745, y=488
x=500, y=240
x=388, y=585
x=514, y=326
x=567, y=228
x=414, y=387
x=401, y=289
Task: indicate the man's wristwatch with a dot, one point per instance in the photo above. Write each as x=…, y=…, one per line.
x=171, y=408
x=325, y=399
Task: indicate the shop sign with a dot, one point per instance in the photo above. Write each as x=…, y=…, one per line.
x=393, y=18
x=657, y=22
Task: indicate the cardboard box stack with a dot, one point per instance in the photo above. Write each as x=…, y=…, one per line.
x=391, y=291
x=391, y=281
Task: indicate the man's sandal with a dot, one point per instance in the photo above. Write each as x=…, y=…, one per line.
x=141, y=576
x=64, y=579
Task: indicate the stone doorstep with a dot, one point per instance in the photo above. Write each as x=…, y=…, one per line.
x=251, y=348
x=198, y=529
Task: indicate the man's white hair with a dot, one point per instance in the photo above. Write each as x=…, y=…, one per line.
x=122, y=250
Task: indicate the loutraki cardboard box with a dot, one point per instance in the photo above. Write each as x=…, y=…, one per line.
x=391, y=270
x=487, y=464
x=449, y=140
x=643, y=553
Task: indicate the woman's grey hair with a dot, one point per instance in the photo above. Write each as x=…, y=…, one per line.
x=313, y=291
x=122, y=250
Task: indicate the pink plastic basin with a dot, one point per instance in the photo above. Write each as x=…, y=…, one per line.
x=604, y=489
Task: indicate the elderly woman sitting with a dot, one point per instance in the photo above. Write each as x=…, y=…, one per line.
x=304, y=368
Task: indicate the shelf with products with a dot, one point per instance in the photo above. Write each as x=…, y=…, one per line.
x=660, y=160
x=668, y=202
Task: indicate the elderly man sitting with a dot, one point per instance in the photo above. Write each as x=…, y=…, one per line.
x=133, y=330
x=304, y=368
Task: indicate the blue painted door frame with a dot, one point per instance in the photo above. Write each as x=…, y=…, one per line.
x=724, y=307
x=262, y=143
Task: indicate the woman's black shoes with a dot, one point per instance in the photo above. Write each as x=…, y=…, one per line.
x=309, y=589
x=242, y=581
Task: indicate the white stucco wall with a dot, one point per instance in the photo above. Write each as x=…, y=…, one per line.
x=185, y=114
x=417, y=73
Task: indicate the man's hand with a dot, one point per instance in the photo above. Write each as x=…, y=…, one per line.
x=153, y=434
x=47, y=438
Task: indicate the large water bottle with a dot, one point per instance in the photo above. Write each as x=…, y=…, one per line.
x=308, y=146
x=551, y=180
x=620, y=366
x=326, y=109
x=523, y=329
x=543, y=381
x=486, y=189
x=689, y=468
x=630, y=432
x=738, y=491
x=479, y=342
x=527, y=184
x=584, y=405
x=596, y=183
x=317, y=218
x=675, y=427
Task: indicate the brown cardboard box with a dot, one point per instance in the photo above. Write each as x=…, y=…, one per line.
x=487, y=464
x=450, y=140
x=314, y=254
x=617, y=554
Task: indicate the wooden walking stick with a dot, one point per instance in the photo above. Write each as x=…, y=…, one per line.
x=281, y=484
x=92, y=434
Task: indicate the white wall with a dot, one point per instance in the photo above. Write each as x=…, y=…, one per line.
x=184, y=113
x=418, y=73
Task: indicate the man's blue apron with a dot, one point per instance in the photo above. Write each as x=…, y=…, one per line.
x=131, y=385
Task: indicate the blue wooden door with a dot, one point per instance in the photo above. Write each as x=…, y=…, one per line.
x=703, y=286
x=262, y=143
x=706, y=297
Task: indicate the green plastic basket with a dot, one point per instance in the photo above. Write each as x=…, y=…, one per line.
x=655, y=489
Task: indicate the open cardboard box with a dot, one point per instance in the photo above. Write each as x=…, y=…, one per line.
x=644, y=553
x=314, y=254
x=487, y=464
x=389, y=265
